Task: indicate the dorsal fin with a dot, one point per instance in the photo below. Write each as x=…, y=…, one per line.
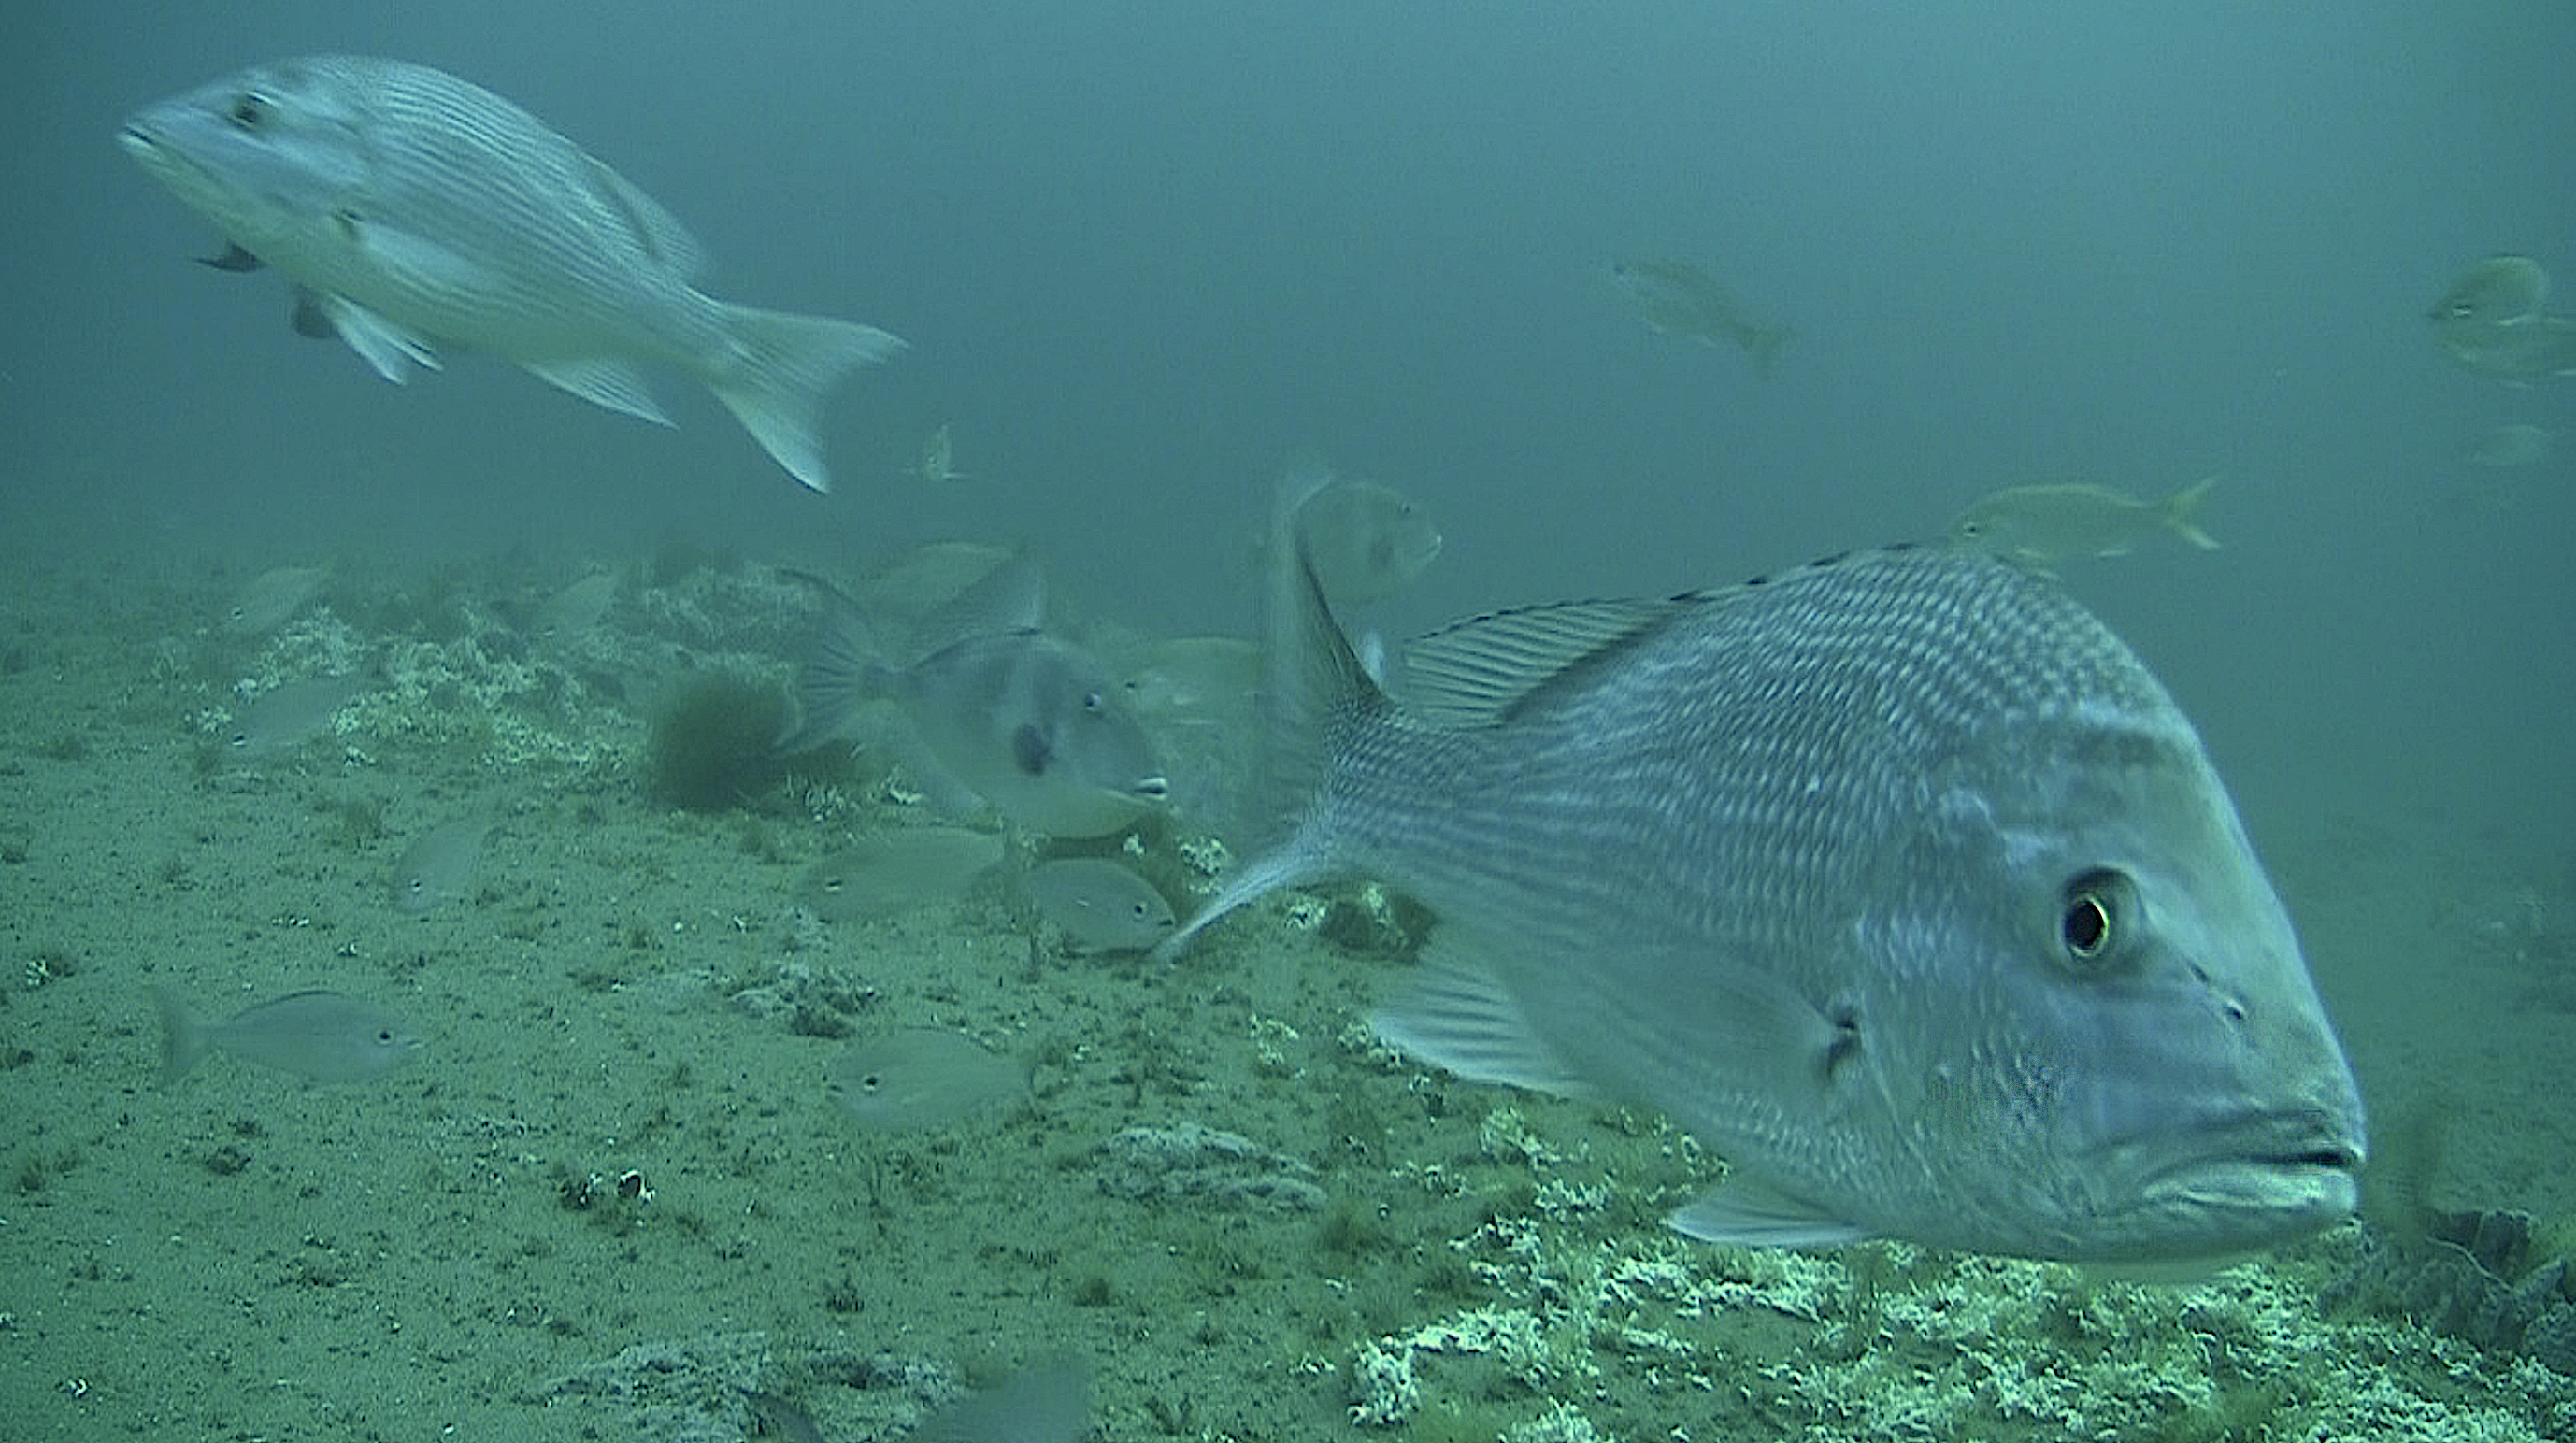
x=656, y=230
x=1475, y=672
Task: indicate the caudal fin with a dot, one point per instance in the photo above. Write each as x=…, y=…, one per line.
x=2182, y=513
x=184, y=1040
x=779, y=370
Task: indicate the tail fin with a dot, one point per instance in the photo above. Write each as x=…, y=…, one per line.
x=1311, y=680
x=184, y=1040
x=843, y=672
x=2182, y=512
x=780, y=369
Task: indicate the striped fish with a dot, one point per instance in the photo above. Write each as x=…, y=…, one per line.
x=411, y=209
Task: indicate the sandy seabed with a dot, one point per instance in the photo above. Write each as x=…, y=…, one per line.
x=612, y=1199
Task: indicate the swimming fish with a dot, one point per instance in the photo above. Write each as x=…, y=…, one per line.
x=2519, y=444
x=409, y=208
x=2490, y=321
x=897, y=871
x=938, y=459
x=438, y=867
x=1896, y=879
x=323, y=1036
x=1002, y=712
x=2043, y=524
x=575, y=609
x=2497, y=289
x=1367, y=541
x=1101, y=905
x=290, y=713
x=922, y=1077
x=1047, y=1402
x=272, y=598
x=1678, y=299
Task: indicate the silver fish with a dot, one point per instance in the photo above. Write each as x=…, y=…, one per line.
x=1049, y=1402
x=2046, y=523
x=439, y=866
x=1678, y=299
x=1367, y=541
x=1896, y=879
x=1010, y=715
x=575, y=609
x=288, y=714
x=2497, y=289
x=272, y=597
x=938, y=459
x=1101, y=905
x=2517, y=352
x=409, y=208
x=2519, y=444
x=323, y=1036
x=922, y=1077
x=898, y=871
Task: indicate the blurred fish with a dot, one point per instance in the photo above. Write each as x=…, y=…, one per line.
x=2497, y=289
x=2518, y=352
x=938, y=459
x=922, y=1077
x=1003, y=713
x=897, y=871
x=1678, y=299
x=409, y=208
x=1194, y=681
x=1367, y=541
x=1896, y=879
x=575, y=609
x=2520, y=444
x=323, y=1036
x=780, y=1417
x=920, y=579
x=1050, y=1402
x=439, y=867
x=285, y=715
x=1102, y=906
x=272, y=598
x=2044, y=524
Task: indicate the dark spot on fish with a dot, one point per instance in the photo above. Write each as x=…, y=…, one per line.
x=1845, y=1048
x=308, y=319
x=249, y=110
x=1824, y=561
x=1031, y=750
x=234, y=258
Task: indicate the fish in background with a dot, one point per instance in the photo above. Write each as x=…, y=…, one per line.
x=272, y=598
x=1679, y=299
x=937, y=462
x=2518, y=444
x=1896, y=879
x=2043, y=524
x=922, y=1077
x=2490, y=320
x=1101, y=905
x=320, y=1036
x=575, y=609
x=408, y=209
x=997, y=710
x=438, y=867
x=1367, y=541
x=289, y=714
x=1047, y=1402
x=899, y=871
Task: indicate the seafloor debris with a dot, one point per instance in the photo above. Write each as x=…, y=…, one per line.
x=1190, y=1161
x=729, y=1387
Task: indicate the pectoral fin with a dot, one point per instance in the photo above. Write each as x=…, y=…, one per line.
x=234, y=258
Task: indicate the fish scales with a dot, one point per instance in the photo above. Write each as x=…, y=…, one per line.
x=1897, y=880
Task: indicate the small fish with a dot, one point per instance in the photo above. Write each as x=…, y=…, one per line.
x=2043, y=524
x=272, y=598
x=1101, y=905
x=2517, y=352
x=1896, y=879
x=938, y=459
x=898, y=871
x=1049, y=1402
x=2495, y=290
x=575, y=609
x=922, y=1077
x=777, y=1416
x=1003, y=713
x=439, y=867
x=286, y=715
x=1678, y=299
x=321, y=1036
x=1367, y=541
x=409, y=208
x=2520, y=444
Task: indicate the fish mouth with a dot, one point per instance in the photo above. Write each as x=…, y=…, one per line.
x=2300, y=1162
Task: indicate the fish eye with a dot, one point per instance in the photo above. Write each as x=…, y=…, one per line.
x=248, y=110
x=2098, y=908
x=1092, y=701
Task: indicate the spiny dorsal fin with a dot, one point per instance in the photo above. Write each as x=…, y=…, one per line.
x=1474, y=672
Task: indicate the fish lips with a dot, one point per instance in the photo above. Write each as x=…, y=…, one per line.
x=2261, y=1176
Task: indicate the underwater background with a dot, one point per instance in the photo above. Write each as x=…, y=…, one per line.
x=1146, y=255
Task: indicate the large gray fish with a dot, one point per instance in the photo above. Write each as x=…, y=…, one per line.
x=322, y=1036
x=1001, y=711
x=408, y=207
x=1896, y=879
